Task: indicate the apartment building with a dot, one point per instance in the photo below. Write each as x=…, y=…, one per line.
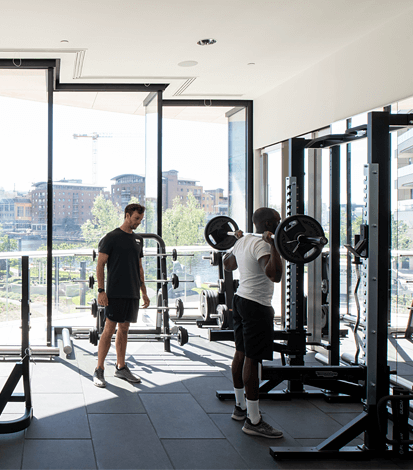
x=72, y=203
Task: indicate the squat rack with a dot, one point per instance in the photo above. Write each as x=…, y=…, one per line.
x=373, y=420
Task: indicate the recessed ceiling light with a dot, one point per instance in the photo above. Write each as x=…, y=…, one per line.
x=188, y=63
x=206, y=42
x=251, y=63
x=64, y=40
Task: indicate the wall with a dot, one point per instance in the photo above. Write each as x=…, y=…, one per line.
x=374, y=71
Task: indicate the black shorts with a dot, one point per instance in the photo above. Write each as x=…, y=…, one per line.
x=122, y=310
x=253, y=328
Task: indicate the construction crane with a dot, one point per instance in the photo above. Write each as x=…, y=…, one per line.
x=94, y=136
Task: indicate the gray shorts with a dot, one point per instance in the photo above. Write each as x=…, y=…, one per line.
x=122, y=310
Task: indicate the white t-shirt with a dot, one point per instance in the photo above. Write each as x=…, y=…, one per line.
x=254, y=284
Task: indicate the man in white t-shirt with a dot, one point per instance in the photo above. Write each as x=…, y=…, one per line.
x=259, y=266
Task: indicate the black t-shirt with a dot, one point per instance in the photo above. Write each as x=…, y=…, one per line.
x=124, y=251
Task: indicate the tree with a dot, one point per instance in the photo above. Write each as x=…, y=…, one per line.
x=106, y=217
x=7, y=244
x=400, y=239
x=183, y=224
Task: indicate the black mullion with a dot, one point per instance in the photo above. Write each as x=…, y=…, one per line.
x=49, y=268
x=249, y=166
x=159, y=205
x=349, y=233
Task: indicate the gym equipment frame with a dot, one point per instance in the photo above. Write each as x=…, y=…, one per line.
x=162, y=331
x=373, y=420
x=21, y=368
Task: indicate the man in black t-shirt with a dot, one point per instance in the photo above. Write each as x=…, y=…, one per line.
x=122, y=251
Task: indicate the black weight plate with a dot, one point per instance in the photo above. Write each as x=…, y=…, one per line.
x=93, y=336
x=179, y=308
x=222, y=316
x=182, y=336
x=175, y=281
x=94, y=308
x=216, y=233
x=287, y=237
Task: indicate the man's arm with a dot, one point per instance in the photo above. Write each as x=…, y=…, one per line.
x=100, y=274
x=145, y=297
x=230, y=262
x=271, y=264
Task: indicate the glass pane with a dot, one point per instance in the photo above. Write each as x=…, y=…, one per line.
x=99, y=168
x=151, y=166
x=194, y=190
x=23, y=176
x=237, y=159
x=275, y=201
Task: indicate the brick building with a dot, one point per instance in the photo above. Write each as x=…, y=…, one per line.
x=127, y=186
x=72, y=204
x=173, y=187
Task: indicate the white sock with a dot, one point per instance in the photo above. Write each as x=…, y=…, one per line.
x=240, y=398
x=253, y=411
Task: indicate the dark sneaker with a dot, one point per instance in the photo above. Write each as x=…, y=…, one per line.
x=99, y=378
x=261, y=429
x=239, y=414
x=126, y=374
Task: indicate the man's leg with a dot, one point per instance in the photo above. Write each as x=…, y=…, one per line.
x=252, y=384
x=237, y=367
x=239, y=412
x=104, y=345
x=122, y=370
x=121, y=342
x=105, y=342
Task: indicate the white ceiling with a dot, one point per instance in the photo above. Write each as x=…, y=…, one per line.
x=260, y=43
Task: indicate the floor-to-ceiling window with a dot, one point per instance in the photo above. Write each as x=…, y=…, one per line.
x=23, y=148
x=98, y=168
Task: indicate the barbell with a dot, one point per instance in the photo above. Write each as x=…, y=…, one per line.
x=178, y=333
x=174, y=281
x=299, y=238
x=174, y=254
x=179, y=308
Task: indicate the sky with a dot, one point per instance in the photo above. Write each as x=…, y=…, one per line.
x=197, y=150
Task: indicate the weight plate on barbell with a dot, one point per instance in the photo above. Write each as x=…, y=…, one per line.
x=93, y=336
x=216, y=233
x=182, y=336
x=287, y=239
x=208, y=303
x=94, y=308
x=222, y=316
x=179, y=308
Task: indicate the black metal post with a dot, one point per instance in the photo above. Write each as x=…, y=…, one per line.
x=82, y=284
x=296, y=271
x=25, y=329
x=349, y=232
x=334, y=262
x=377, y=370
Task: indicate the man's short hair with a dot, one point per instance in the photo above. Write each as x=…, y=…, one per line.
x=264, y=214
x=131, y=208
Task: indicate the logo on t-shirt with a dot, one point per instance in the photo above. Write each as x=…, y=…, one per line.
x=137, y=240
